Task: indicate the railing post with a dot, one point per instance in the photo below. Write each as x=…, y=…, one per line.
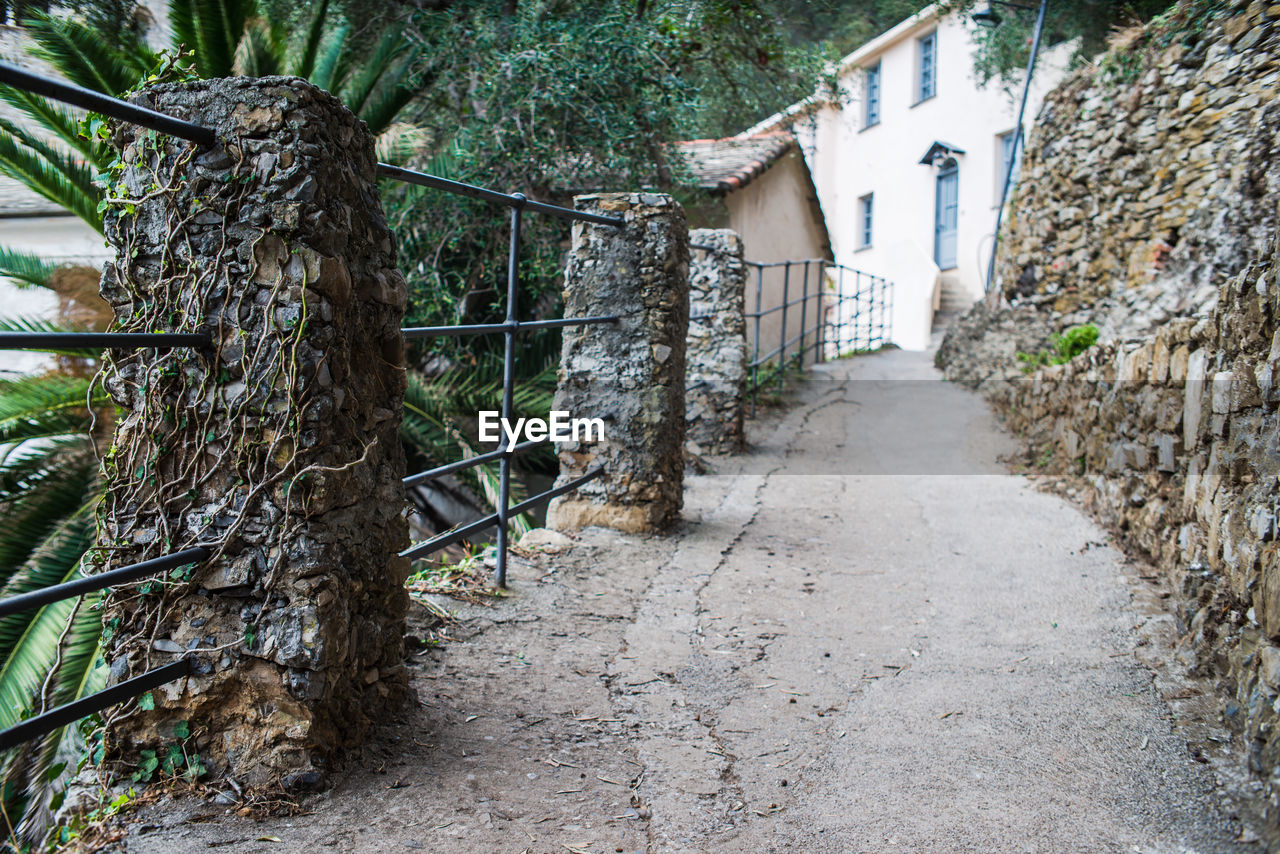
x=508, y=393
x=820, y=350
x=716, y=361
x=840, y=315
x=782, y=350
x=277, y=447
x=630, y=375
x=755, y=349
x=804, y=312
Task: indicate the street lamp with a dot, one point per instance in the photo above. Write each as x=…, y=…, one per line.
x=987, y=17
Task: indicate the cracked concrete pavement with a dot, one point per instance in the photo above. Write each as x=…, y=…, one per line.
x=866, y=636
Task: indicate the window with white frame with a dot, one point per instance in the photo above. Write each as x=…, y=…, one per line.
x=927, y=71
x=871, y=82
x=866, y=211
x=1005, y=153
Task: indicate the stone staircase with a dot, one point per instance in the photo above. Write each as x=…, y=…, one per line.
x=955, y=302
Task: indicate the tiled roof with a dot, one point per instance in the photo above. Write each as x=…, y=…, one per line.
x=724, y=165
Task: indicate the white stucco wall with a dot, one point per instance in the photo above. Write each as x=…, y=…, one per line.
x=774, y=215
x=848, y=161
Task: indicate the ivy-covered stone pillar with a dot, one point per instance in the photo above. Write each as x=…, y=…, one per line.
x=716, y=381
x=276, y=447
x=630, y=375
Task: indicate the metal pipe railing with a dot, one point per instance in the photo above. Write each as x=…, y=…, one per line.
x=844, y=319
x=100, y=581
x=414, y=332
x=448, y=538
x=69, y=713
x=101, y=340
x=469, y=462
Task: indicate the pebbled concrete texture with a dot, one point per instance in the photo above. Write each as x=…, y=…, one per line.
x=821, y=659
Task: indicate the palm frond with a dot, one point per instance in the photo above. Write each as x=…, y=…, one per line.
x=391, y=93
x=23, y=469
x=40, y=508
x=305, y=61
x=53, y=561
x=40, y=769
x=27, y=661
x=41, y=406
x=213, y=29
x=357, y=90
x=57, y=119
x=54, y=174
x=332, y=64
x=26, y=270
x=261, y=50
x=82, y=55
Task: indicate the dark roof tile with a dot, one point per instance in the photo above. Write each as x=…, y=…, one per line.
x=724, y=165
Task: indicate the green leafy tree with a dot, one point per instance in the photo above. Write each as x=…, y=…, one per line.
x=1002, y=51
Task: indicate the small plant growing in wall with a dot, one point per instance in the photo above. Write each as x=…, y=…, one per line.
x=1062, y=348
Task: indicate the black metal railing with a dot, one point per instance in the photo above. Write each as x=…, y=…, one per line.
x=50, y=720
x=851, y=310
x=510, y=328
x=47, y=721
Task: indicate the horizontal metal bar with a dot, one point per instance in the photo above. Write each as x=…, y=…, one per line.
x=554, y=493
x=448, y=538
x=102, y=340
x=776, y=350
x=87, y=99
x=461, y=465
x=704, y=248
x=71, y=712
x=767, y=311
x=499, y=328
x=101, y=580
x=511, y=200
x=572, y=215
x=829, y=265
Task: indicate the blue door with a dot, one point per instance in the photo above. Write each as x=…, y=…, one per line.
x=946, y=215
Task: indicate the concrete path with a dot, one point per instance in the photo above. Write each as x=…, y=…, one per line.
x=867, y=637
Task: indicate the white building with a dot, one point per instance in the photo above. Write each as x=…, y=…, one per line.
x=908, y=161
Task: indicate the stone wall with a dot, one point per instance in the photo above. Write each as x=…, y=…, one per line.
x=632, y=374
x=716, y=359
x=278, y=447
x=1150, y=178
x=1147, y=205
x=1177, y=435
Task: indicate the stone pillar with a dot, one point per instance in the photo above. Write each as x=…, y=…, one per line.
x=716, y=373
x=277, y=447
x=630, y=375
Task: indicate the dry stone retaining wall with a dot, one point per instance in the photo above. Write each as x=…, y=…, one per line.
x=1177, y=434
x=716, y=379
x=1148, y=181
x=278, y=447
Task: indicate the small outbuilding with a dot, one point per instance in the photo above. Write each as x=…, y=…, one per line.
x=760, y=187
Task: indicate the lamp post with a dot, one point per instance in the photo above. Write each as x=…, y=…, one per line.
x=987, y=17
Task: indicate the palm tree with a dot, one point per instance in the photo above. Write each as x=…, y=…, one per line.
x=49, y=479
